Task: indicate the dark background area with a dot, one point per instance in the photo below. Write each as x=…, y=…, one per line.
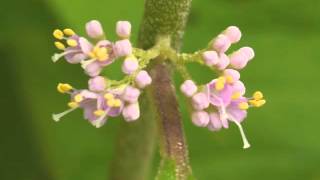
x=284, y=134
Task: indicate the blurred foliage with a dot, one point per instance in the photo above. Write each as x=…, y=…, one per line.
x=283, y=134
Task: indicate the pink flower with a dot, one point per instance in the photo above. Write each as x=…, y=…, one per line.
x=200, y=118
x=131, y=112
x=123, y=48
x=123, y=29
x=94, y=29
x=143, y=79
x=188, y=88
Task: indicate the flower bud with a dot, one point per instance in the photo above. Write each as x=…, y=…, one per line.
x=200, y=118
x=215, y=123
x=123, y=29
x=93, y=69
x=221, y=43
x=200, y=101
x=223, y=61
x=131, y=94
x=238, y=59
x=94, y=29
x=210, y=58
x=97, y=84
x=131, y=112
x=248, y=52
x=233, y=33
x=130, y=65
x=188, y=88
x=123, y=48
x=143, y=79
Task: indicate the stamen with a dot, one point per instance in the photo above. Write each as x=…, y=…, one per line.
x=108, y=96
x=58, y=34
x=235, y=95
x=57, y=56
x=243, y=105
x=258, y=95
x=220, y=83
x=72, y=42
x=64, y=88
x=117, y=103
x=85, y=63
x=57, y=117
x=78, y=98
x=69, y=32
x=59, y=45
x=229, y=79
x=243, y=136
x=99, y=122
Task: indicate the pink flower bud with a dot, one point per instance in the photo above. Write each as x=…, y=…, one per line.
x=131, y=112
x=200, y=118
x=130, y=65
x=221, y=43
x=215, y=123
x=238, y=59
x=123, y=48
x=200, y=101
x=93, y=69
x=123, y=29
x=131, y=94
x=233, y=33
x=97, y=84
x=210, y=58
x=233, y=73
x=248, y=51
x=188, y=88
x=223, y=62
x=94, y=29
x=143, y=79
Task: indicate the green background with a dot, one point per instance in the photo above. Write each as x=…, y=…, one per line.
x=284, y=134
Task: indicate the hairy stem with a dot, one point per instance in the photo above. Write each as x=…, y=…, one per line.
x=162, y=18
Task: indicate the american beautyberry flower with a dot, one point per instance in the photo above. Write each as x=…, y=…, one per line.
x=214, y=104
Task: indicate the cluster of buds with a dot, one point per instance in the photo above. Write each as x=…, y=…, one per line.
x=214, y=104
x=104, y=97
x=222, y=100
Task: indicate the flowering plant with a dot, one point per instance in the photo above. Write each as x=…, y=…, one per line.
x=214, y=104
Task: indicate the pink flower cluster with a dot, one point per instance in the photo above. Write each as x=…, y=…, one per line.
x=101, y=100
x=222, y=100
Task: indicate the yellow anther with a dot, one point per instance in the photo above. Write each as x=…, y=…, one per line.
x=222, y=79
x=59, y=45
x=236, y=95
x=111, y=103
x=243, y=105
x=78, y=98
x=261, y=103
x=117, y=103
x=64, y=88
x=73, y=104
x=219, y=86
x=258, y=95
x=102, y=54
x=69, y=32
x=99, y=112
x=108, y=96
x=58, y=34
x=229, y=79
x=72, y=42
